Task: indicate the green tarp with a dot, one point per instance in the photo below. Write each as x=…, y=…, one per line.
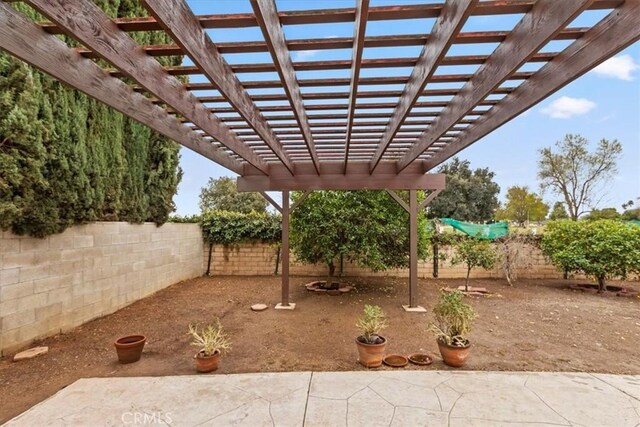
x=635, y=221
x=481, y=231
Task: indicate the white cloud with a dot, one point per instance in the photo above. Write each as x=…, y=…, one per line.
x=566, y=107
x=619, y=67
x=304, y=55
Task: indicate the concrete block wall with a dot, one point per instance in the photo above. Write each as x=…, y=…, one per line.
x=259, y=259
x=51, y=285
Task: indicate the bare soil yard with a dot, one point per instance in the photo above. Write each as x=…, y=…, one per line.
x=534, y=326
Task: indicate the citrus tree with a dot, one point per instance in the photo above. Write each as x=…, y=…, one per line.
x=602, y=249
x=366, y=227
x=473, y=253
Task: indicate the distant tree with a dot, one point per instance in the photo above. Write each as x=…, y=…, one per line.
x=558, y=212
x=577, y=174
x=366, y=227
x=523, y=205
x=605, y=213
x=222, y=194
x=473, y=253
x=628, y=205
x=631, y=215
x=602, y=249
x=469, y=196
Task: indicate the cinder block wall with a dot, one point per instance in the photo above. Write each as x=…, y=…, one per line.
x=259, y=259
x=54, y=284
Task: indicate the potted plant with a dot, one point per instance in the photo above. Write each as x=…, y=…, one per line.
x=129, y=348
x=371, y=344
x=212, y=341
x=452, y=323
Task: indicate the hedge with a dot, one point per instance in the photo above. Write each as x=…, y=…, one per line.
x=224, y=227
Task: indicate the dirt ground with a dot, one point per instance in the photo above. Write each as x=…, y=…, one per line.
x=534, y=326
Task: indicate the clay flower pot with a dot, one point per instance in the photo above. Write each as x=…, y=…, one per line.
x=453, y=355
x=129, y=348
x=206, y=364
x=370, y=355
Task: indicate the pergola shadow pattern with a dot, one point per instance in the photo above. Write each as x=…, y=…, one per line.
x=346, y=133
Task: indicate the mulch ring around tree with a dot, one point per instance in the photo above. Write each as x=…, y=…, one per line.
x=611, y=289
x=336, y=288
x=473, y=291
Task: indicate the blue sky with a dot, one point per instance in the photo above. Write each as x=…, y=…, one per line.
x=601, y=104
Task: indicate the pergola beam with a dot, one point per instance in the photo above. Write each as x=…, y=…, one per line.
x=87, y=23
x=22, y=38
x=536, y=28
x=267, y=16
x=449, y=23
x=619, y=29
x=362, y=13
x=320, y=16
x=182, y=25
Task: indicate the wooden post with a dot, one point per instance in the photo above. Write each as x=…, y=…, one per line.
x=413, y=253
x=285, y=305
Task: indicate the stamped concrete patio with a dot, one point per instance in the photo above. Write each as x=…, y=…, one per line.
x=386, y=398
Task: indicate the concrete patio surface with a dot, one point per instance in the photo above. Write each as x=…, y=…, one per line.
x=385, y=398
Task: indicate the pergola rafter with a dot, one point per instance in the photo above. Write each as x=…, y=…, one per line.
x=179, y=22
x=537, y=27
x=379, y=128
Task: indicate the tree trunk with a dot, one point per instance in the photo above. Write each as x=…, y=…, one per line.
x=602, y=286
x=332, y=270
x=208, y=273
x=435, y=257
x=466, y=283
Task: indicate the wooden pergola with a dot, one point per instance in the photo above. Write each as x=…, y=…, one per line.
x=294, y=133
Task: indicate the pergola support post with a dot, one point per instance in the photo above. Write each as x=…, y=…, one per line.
x=285, y=304
x=413, y=254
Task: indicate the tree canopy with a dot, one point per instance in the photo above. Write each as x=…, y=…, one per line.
x=473, y=252
x=602, y=249
x=367, y=227
x=605, y=213
x=67, y=159
x=558, y=212
x=471, y=195
x=575, y=173
x=523, y=205
x=222, y=194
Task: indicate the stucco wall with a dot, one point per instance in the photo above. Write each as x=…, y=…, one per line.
x=54, y=284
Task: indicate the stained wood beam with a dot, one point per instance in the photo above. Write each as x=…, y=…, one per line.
x=86, y=22
x=362, y=13
x=266, y=14
x=22, y=38
x=398, y=200
x=618, y=30
x=471, y=37
x=447, y=26
x=182, y=25
x=546, y=19
x=322, y=16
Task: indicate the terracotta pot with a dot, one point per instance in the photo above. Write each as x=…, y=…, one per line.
x=129, y=348
x=453, y=356
x=207, y=363
x=370, y=355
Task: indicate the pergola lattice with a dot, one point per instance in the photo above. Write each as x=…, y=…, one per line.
x=322, y=133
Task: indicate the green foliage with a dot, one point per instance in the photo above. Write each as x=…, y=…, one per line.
x=186, y=219
x=453, y=319
x=605, y=213
x=558, y=212
x=577, y=174
x=366, y=227
x=371, y=323
x=631, y=214
x=67, y=159
x=602, y=249
x=227, y=228
x=222, y=194
x=474, y=253
x=469, y=196
x=522, y=206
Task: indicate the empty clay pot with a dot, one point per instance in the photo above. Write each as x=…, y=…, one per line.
x=453, y=356
x=370, y=355
x=129, y=348
x=207, y=363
